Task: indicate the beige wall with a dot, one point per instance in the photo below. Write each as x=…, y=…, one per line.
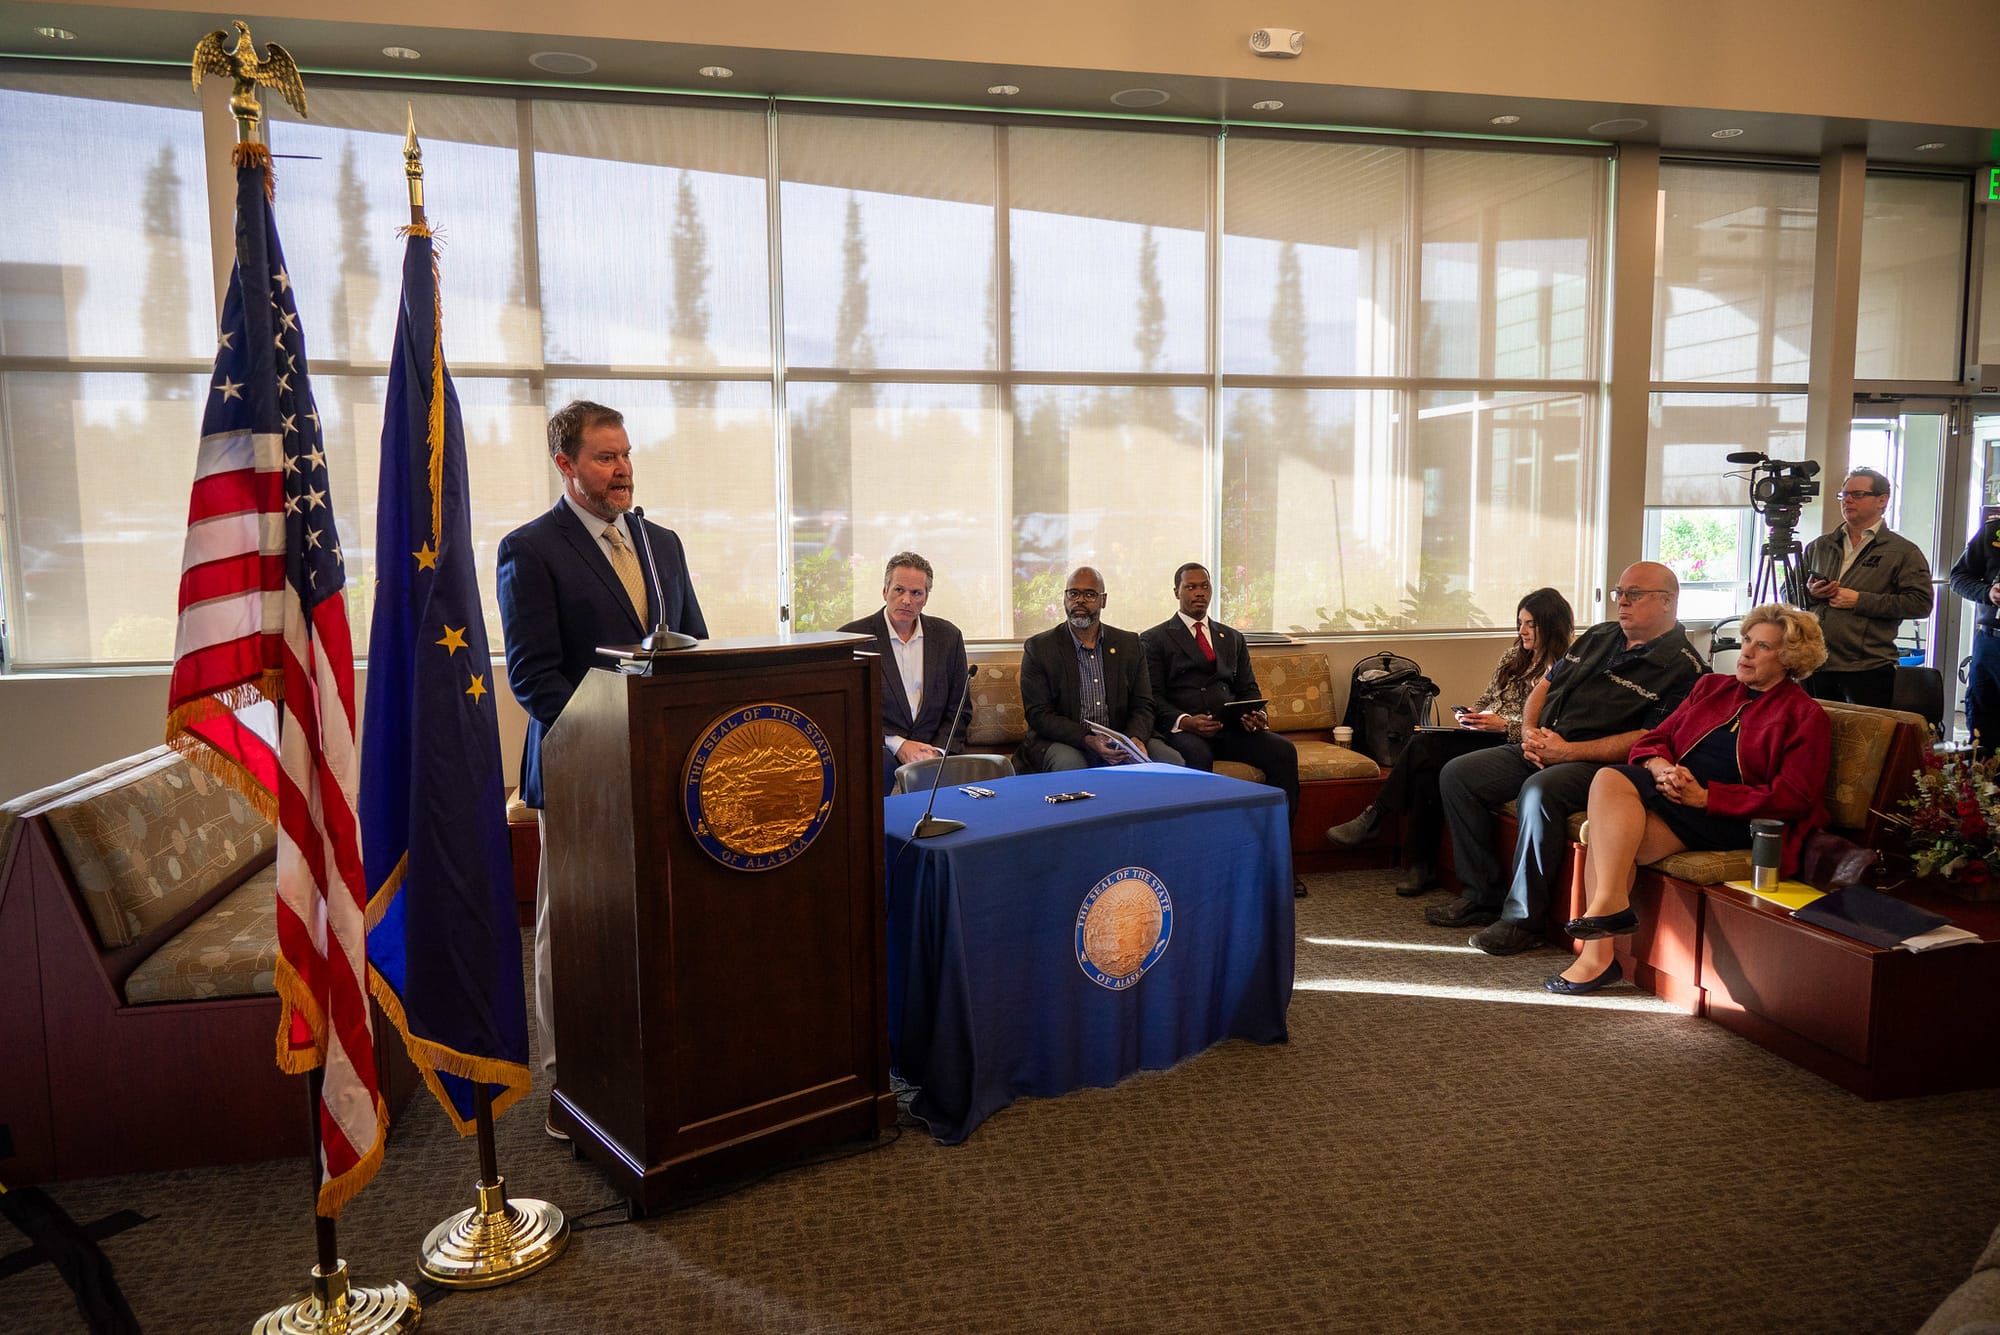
x=1926, y=61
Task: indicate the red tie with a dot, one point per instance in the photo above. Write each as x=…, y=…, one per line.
x=1201, y=642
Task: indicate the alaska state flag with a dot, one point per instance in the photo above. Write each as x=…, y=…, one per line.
x=443, y=943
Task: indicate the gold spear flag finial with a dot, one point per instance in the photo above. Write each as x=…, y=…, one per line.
x=413, y=165
x=274, y=69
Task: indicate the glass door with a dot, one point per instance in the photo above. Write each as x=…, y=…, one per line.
x=1939, y=490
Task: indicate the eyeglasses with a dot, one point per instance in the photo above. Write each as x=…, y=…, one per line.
x=1083, y=595
x=1854, y=495
x=1631, y=595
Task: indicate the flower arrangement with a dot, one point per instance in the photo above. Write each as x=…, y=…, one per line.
x=1953, y=817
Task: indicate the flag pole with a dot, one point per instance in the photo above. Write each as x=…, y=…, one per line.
x=332, y=1304
x=496, y=1241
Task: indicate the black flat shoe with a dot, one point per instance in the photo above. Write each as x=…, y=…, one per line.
x=1563, y=987
x=1611, y=924
x=1298, y=887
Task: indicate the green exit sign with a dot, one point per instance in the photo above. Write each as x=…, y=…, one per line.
x=1989, y=185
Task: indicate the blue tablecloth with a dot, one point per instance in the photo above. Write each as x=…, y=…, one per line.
x=1047, y=947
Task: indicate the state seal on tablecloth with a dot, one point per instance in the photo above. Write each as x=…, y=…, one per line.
x=1122, y=927
x=758, y=786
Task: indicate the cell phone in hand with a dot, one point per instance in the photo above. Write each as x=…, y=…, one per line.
x=1461, y=709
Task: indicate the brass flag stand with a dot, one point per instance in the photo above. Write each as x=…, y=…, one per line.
x=497, y=1240
x=333, y=1306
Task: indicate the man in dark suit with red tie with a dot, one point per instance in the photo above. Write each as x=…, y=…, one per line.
x=571, y=580
x=924, y=678
x=1197, y=667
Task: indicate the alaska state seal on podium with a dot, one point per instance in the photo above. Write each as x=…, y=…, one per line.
x=758, y=786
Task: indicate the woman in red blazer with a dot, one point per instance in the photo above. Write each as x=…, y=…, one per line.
x=1751, y=745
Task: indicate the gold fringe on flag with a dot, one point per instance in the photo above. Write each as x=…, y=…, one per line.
x=270, y=685
x=257, y=155
x=430, y=1058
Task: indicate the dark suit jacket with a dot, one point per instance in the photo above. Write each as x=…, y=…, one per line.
x=1184, y=682
x=559, y=600
x=945, y=682
x=1052, y=689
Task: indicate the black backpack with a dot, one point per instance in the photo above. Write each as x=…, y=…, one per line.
x=1388, y=696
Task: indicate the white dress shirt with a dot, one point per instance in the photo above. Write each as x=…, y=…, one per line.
x=909, y=656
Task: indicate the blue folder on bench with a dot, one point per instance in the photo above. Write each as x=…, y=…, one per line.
x=1870, y=917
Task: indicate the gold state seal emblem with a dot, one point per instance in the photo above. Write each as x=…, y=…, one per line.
x=759, y=786
x=1123, y=926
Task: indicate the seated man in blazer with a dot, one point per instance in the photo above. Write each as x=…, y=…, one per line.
x=1085, y=670
x=924, y=680
x=1196, y=667
x=570, y=580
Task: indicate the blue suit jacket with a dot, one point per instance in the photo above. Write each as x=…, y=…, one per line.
x=560, y=600
x=945, y=682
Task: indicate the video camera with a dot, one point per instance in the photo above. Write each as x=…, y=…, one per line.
x=1778, y=487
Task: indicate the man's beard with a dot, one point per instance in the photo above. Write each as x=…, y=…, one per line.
x=1082, y=620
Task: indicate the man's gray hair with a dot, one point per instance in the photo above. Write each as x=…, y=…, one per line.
x=910, y=561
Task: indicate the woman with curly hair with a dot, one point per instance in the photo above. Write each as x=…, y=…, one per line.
x=1738, y=748
x=1544, y=627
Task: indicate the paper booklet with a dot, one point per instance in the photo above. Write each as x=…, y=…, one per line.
x=1119, y=740
x=1790, y=894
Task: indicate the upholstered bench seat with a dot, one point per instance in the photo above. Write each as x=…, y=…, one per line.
x=229, y=951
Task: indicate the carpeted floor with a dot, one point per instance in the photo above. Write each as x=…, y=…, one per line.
x=1441, y=1147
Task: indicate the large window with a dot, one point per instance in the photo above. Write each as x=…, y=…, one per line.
x=1410, y=403
x=1360, y=380
x=1732, y=334
x=1913, y=237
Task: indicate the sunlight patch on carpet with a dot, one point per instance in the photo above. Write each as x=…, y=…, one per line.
x=1615, y=1001
x=1429, y=946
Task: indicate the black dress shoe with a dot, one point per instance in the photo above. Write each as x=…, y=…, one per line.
x=1611, y=924
x=1298, y=887
x=1461, y=912
x=1563, y=987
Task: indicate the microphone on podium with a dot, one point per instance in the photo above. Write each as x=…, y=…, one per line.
x=930, y=825
x=659, y=637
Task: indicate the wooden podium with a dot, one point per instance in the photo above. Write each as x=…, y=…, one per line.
x=717, y=911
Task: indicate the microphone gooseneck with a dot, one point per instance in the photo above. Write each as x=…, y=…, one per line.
x=657, y=636
x=930, y=826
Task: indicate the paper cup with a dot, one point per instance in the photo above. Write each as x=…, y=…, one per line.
x=1343, y=736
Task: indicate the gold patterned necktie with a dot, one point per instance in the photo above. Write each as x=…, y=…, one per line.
x=626, y=564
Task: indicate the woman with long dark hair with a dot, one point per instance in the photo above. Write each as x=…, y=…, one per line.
x=1544, y=626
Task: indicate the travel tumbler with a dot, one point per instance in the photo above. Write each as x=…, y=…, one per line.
x=1766, y=841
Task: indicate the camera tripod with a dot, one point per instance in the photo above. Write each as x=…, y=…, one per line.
x=1781, y=575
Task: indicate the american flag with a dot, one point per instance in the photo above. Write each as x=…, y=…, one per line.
x=263, y=685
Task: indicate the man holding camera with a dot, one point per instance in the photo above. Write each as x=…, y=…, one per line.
x=1864, y=582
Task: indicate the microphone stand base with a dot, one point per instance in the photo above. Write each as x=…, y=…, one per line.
x=931, y=826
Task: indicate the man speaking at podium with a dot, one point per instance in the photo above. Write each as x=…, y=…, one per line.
x=925, y=687
x=571, y=580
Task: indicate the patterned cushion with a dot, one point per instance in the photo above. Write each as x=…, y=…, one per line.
x=1324, y=760
x=1860, y=745
x=996, y=706
x=1706, y=868
x=152, y=840
x=229, y=951
x=1236, y=769
x=28, y=804
x=1300, y=689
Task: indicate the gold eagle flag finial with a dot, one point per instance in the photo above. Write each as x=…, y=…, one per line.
x=274, y=69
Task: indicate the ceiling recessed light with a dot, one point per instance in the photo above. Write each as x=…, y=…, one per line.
x=402, y=53
x=1268, y=104
x=1004, y=89
x=1617, y=125
x=1140, y=97
x=1731, y=133
x=716, y=72
x=1931, y=147
x=56, y=34
x=1509, y=119
x=562, y=62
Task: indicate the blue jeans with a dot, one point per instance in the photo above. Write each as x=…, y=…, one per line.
x=1472, y=785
